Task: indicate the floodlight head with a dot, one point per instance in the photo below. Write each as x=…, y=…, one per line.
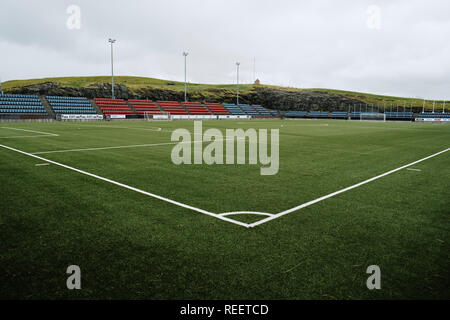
x=185, y=54
x=238, y=63
x=112, y=40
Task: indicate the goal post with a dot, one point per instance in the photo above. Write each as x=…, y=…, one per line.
x=162, y=116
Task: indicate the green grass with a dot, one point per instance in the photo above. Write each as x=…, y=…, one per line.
x=129, y=245
x=214, y=90
x=131, y=82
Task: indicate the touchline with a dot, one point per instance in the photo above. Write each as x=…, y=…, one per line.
x=213, y=153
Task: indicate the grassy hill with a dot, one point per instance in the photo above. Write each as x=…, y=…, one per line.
x=212, y=90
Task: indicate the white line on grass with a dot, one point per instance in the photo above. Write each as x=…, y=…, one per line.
x=42, y=164
x=221, y=216
x=158, y=129
x=16, y=137
x=307, y=204
x=245, y=212
x=122, y=147
x=106, y=148
x=129, y=187
x=411, y=169
x=42, y=134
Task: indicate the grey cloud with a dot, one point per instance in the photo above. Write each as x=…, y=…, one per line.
x=321, y=43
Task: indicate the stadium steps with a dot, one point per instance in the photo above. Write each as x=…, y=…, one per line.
x=47, y=107
x=210, y=111
x=95, y=106
x=131, y=107
x=158, y=105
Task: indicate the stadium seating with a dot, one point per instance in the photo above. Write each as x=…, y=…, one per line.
x=19, y=104
x=217, y=109
x=261, y=110
x=355, y=115
x=173, y=107
x=250, y=110
x=234, y=109
x=399, y=115
x=196, y=108
x=318, y=114
x=144, y=106
x=254, y=110
x=274, y=113
x=434, y=115
x=113, y=106
x=70, y=105
x=339, y=115
x=295, y=114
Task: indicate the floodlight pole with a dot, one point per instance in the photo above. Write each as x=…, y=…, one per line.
x=423, y=106
x=185, y=54
x=433, y=105
x=254, y=69
x=443, y=107
x=237, y=83
x=112, y=67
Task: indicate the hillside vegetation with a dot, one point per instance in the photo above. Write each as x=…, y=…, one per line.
x=283, y=98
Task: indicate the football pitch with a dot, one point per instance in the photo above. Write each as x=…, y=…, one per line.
x=107, y=197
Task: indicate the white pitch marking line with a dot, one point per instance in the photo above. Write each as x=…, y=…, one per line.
x=122, y=147
x=130, y=187
x=246, y=212
x=220, y=216
x=106, y=148
x=411, y=169
x=307, y=204
x=41, y=132
x=40, y=136
x=42, y=164
x=158, y=129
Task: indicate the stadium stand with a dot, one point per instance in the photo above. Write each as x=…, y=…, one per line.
x=14, y=106
x=250, y=110
x=173, y=107
x=318, y=114
x=274, y=113
x=434, y=115
x=144, y=106
x=20, y=104
x=339, y=115
x=217, y=109
x=234, y=109
x=113, y=106
x=355, y=115
x=261, y=110
x=295, y=114
x=70, y=105
x=399, y=115
x=196, y=108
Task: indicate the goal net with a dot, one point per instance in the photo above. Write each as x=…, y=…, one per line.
x=163, y=116
x=372, y=116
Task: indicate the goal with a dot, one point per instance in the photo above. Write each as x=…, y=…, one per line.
x=163, y=116
x=372, y=116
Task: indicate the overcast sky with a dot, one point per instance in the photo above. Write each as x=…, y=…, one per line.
x=381, y=46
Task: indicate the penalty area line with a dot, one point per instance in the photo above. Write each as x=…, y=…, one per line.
x=186, y=206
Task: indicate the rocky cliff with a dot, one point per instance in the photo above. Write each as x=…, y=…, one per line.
x=267, y=97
